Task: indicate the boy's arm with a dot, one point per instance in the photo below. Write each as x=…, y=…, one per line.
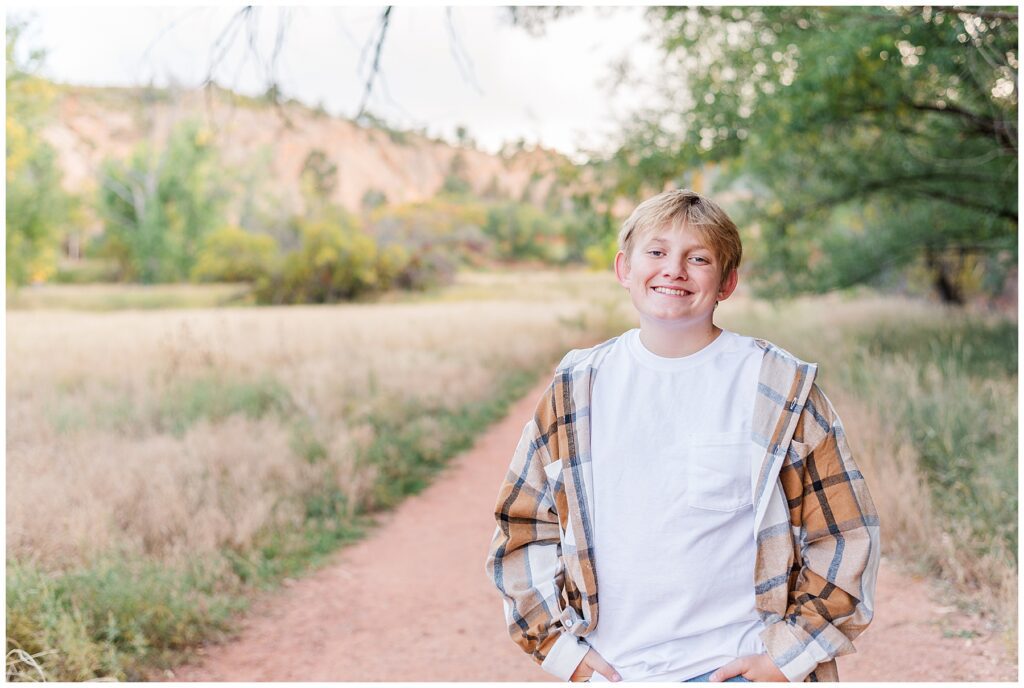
x=524, y=557
x=832, y=600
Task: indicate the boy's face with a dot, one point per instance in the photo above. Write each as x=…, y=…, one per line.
x=673, y=277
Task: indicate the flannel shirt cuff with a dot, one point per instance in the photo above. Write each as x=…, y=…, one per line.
x=796, y=653
x=565, y=655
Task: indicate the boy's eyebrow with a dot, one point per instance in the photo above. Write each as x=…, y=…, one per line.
x=656, y=238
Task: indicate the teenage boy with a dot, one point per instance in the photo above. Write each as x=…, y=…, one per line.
x=697, y=478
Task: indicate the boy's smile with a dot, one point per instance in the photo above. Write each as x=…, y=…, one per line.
x=674, y=280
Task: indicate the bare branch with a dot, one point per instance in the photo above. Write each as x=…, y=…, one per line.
x=167, y=29
x=284, y=19
x=463, y=62
x=225, y=41
x=376, y=60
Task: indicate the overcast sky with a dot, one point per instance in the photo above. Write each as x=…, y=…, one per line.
x=476, y=70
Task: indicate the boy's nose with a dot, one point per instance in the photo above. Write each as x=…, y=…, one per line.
x=674, y=272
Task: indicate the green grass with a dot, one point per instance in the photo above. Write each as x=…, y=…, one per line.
x=974, y=346
x=186, y=402
x=414, y=443
x=112, y=617
x=952, y=387
x=214, y=398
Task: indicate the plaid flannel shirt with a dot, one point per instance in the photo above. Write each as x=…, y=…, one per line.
x=817, y=531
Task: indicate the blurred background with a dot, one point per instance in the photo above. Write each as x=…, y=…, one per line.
x=268, y=268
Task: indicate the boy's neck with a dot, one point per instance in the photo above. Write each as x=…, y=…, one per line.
x=677, y=342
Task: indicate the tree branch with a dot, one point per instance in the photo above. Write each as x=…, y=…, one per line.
x=966, y=203
x=376, y=61
x=1004, y=131
x=899, y=184
x=463, y=62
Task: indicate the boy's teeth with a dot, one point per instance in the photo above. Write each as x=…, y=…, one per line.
x=665, y=290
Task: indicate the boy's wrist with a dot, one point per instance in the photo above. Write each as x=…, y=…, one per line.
x=779, y=641
x=565, y=655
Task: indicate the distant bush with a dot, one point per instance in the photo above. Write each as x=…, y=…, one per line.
x=373, y=199
x=601, y=256
x=231, y=254
x=85, y=271
x=336, y=261
x=440, y=234
x=520, y=231
x=591, y=235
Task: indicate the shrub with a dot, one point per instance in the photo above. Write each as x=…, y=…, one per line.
x=231, y=254
x=336, y=261
x=438, y=235
x=601, y=256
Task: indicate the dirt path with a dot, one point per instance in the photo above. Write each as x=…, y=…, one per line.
x=412, y=603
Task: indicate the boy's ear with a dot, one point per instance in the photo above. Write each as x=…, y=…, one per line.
x=728, y=285
x=622, y=269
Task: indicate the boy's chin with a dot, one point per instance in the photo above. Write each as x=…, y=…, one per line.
x=678, y=322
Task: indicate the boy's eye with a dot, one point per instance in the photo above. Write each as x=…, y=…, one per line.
x=656, y=253
x=701, y=258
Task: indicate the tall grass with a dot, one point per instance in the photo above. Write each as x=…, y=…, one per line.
x=929, y=399
x=160, y=464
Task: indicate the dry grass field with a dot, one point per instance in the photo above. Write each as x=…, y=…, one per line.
x=165, y=433
x=160, y=462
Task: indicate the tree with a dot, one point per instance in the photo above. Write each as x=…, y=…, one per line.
x=157, y=207
x=456, y=181
x=37, y=206
x=463, y=138
x=319, y=179
x=867, y=138
x=522, y=232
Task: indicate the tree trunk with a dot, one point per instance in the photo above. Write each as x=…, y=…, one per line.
x=944, y=283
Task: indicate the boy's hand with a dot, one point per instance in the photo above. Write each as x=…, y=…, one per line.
x=751, y=667
x=594, y=663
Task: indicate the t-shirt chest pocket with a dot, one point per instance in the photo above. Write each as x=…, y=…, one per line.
x=718, y=467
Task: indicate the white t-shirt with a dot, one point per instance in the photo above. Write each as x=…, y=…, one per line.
x=674, y=546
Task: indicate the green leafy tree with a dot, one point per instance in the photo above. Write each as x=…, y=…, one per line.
x=158, y=206
x=520, y=231
x=588, y=232
x=37, y=206
x=867, y=138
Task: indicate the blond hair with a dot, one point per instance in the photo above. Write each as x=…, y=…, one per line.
x=684, y=208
